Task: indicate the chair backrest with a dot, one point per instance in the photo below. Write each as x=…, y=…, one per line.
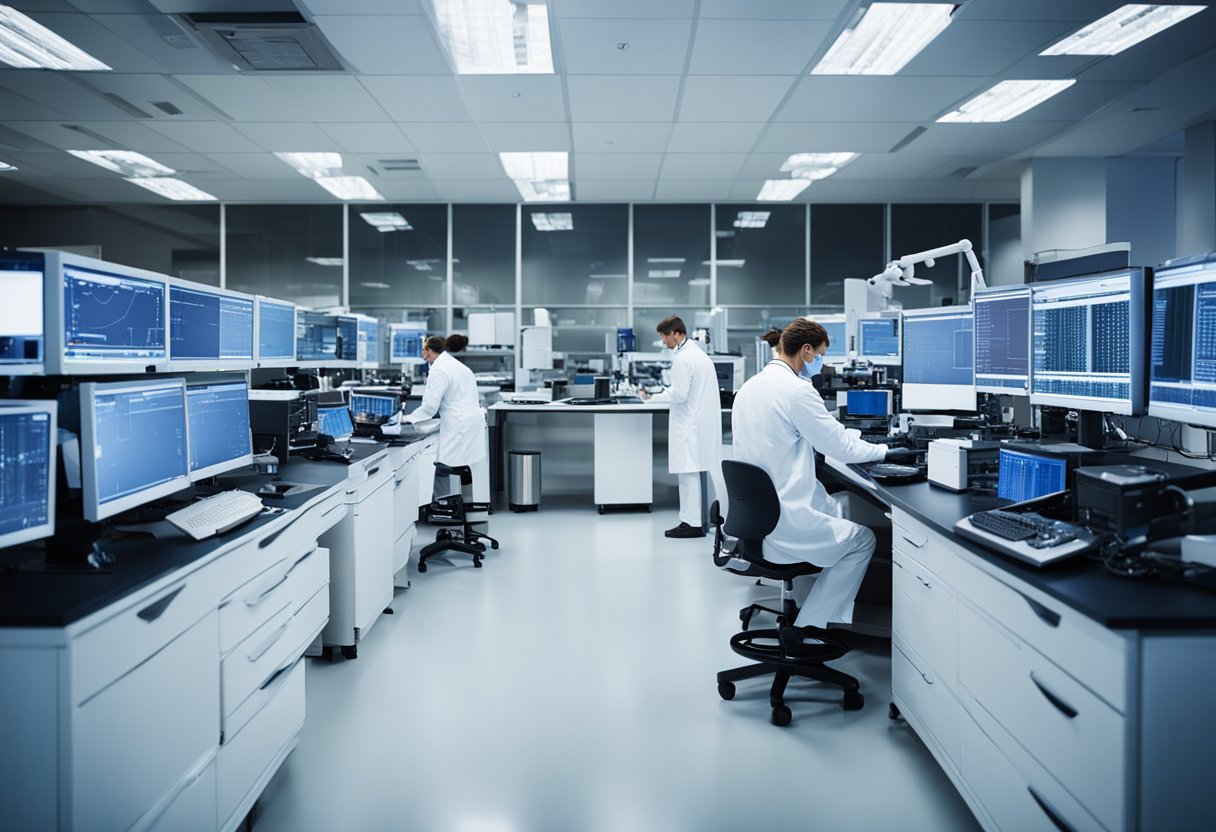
x=754, y=506
x=463, y=471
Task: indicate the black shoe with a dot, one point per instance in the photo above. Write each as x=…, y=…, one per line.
x=685, y=530
x=804, y=642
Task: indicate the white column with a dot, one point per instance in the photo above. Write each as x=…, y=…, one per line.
x=1141, y=206
x=1197, y=191
x=1063, y=204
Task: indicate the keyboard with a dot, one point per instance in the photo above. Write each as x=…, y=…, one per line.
x=214, y=515
x=1028, y=537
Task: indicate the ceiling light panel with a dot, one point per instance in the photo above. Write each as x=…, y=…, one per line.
x=495, y=37
x=553, y=222
x=1007, y=100
x=325, y=261
x=1122, y=29
x=887, y=36
x=171, y=188
x=313, y=165
x=349, y=188
x=6, y=166
x=781, y=190
x=127, y=162
x=539, y=177
x=27, y=44
x=387, y=221
x=814, y=166
x=752, y=219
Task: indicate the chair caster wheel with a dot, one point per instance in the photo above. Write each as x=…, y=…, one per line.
x=782, y=716
x=853, y=701
x=477, y=563
x=726, y=690
x=350, y=651
x=494, y=545
x=746, y=617
x=893, y=711
x=443, y=534
x=422, y=567
x=600, y=509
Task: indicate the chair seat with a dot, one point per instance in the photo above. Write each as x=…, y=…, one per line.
x=777, y=571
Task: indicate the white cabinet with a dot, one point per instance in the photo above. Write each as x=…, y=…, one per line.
x=623, y=459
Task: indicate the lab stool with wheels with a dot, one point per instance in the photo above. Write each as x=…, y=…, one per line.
x=754, y=512
x=461, y=521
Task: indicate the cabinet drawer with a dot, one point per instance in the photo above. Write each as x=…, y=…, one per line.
x=1012, y=800
x=297, y=578
x=133, y=742
x=1095, y=656
x=924, y=611
x=244, y=765
x=933, y=549
x=1074, y=735
x=920, y=690
x=301, y=532
x=191, y=808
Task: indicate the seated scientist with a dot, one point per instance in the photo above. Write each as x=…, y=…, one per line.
x=451, y=394
x=779, y=421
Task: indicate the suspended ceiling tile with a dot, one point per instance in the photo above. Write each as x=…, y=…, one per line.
x=690, y=189
x=256, y=166
x=147, y=32
x=412, y=98
x=774, y=9
x=368, y=138
x=242, y=97
x=701, y=137
x=1086, y=10
x=878, y=98
x=329, y=98
x=624, y=8
x=125, y=135
x=88, y=34
x=763, y=166
x=502, y=136
x=1080, y=100
x=655, y=47
x=702, y=165
x=142, y=90
x=610, y=165
x=756, y=47
x=806, y=137
x=733, y=98
x=385, y=45
x=1160, y=53
x=297, y=189
x=14, y=106
x=461, y=166
x=746, y=190
x=188, y=164
x=278, y=137
x=439, y=137
x=621, y=137
x=406, y=191
x=1006, y=137
x=623, y=97
x=479, y=190
x=59, y=93
x=984, y=47
x=614, y=190
x=205, y=136
x=492, y=98
x=906, y=165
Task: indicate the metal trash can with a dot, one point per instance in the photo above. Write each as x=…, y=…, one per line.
x=525, y=481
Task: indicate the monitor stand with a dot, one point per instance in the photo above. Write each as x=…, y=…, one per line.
x=1091, y=429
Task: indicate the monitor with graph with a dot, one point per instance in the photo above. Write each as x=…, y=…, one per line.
x=22, y=341
x=939, y=359
x=1002, y=340
x=1182, y=359
x=209, y=328
x=28, y=438
x=218, y=416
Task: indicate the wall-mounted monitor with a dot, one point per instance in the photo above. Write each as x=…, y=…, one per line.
x=1182, y=356
x=28, y=437
x=218, y=416
x=22, y=297
x=274, y=329
x=878, y=339
x=838, y=346
x=104, y=318
x=209, y=328
x=939, y=359
x=1088, y=348
x=1002, y=340
x=316, y=338
x=133, y=435
x=405, y=342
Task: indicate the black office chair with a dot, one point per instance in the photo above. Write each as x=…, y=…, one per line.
x=754, y=512
x=457, y=516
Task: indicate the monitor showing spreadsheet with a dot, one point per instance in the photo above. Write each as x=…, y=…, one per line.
x=1088, y=347
x=218, y=415
x=1023, y=476
x=939, y=359
x=21, y=316
x=878, y=339
x=209, y=328
x=1002, y=340
x=316, y=338
x=28, y=437
x=335, y=421
x=275, y=327
x=1182, y=359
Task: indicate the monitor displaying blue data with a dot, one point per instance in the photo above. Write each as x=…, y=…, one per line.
x=209, y=326
x=335, y=422
x=21, y=315
x=112, y=318
x=939, y=359
x=878, y=340
x=1182, y=358
x=369, y=341
x=316, y=337
x=838, y=350
x=1088, y=344
x=27, y=470
x=867, y=402
x=373, y=408
x=218, y=416
x=134, y=441
x=1002, y=341
x=348, y=338
x=1026, y=476
x=276, y=325
x=405, y=342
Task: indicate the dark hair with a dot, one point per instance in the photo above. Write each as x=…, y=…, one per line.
x=670, y=324
x=456, y=342
x=434, y=343
x=800, y=333
x=772, y=337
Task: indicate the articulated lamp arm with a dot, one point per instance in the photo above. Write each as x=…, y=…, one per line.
x=902, y=272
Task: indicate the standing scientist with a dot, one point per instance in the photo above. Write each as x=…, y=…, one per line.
x=451, y=393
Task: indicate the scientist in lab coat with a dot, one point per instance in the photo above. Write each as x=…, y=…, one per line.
x=809, y=371
x=778, y=422
x=451, y=393
x=694, y=433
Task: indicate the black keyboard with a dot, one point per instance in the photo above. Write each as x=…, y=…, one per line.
x=1005, y=524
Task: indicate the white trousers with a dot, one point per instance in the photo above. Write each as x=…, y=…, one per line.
x=690, y=498
x=831, y=597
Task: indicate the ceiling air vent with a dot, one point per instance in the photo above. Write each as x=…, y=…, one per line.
x=126, y=106
x=963, y=172
x=398, y=164
x=265, y=41
x=907, y=140
x=167, y=107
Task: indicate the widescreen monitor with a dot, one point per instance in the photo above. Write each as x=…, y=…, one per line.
x=1022, y=476
x=878, y=339
x=134, y=436
x=218, y=417
x=28, y=438
x=209, y=328
x=316, y=338
x=1002, y=341
x=939, y=359
x=275, y=332
x=1088, y=348
x=373, y=408
x=1182, y=357
x=335, y=421
x=22, y=296
x=104, y=318
x=405, y=342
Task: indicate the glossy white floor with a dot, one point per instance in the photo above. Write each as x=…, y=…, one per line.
x=569, y=685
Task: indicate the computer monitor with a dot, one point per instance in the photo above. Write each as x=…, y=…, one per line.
x=335, y=421
x=28, y=436
x=405, y=342
x=378, y=409
x=838, y=346
x=348, y=339
x=1023, y=476
x=134, y=434
x=218, y=416
x=1088, y=342
x=878, y=339
x=316, y=338
x=939, y=359
x=1002, y=340
x=866, y=402
x=21, y=318
x=369, y=341
x=275, y=332
x=1182, y=362
x=104, y=318
x=209, y=328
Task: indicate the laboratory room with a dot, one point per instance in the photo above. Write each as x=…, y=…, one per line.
x=607, y=415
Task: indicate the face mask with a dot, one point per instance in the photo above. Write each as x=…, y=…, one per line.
x=816, y=366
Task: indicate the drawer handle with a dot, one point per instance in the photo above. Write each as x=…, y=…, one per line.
x=374, y=471
x=280, y=672
x=920, y=545
x=1061, y=706
x=271, y=538
x=928, y=681
x=1049, y=616
x=256, y=597
x=924, y=583
x=157, y=608
x=269, y=642
x=1055, y=819
x=897, y=563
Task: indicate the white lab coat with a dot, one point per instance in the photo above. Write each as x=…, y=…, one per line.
x=778, y=422
x=694, y=432
x=451, y=392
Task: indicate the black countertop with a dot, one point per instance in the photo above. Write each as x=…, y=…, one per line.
x=1159, y=603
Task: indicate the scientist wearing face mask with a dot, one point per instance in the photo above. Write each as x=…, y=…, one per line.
x=810, y=369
